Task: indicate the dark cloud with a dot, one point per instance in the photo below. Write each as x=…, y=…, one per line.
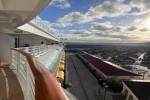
x=112, y=36
x=108, y=8
x=117, y=29
x=143, y=29
x=85, y=35
x=78, y=32
x=106, y=27
x=102, y=27
x=132, y=28
x=81, y=33
x=143, y=5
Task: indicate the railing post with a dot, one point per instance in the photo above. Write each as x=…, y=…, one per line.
x=39, y=50
x=10, y=58
x=26, y=49
x=28, y=76
x=34, y=53
x=18, y=63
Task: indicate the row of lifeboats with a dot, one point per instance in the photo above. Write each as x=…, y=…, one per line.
x=60, y=74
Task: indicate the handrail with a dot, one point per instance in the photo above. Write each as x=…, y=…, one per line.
x=46, y=86
x=37, y=50
x=43, y=25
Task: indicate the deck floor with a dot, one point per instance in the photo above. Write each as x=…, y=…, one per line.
x=84, y=84
x=10, y=88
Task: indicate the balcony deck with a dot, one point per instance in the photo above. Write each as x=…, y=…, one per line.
x=10, y=88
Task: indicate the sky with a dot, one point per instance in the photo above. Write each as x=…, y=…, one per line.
x=99, y=21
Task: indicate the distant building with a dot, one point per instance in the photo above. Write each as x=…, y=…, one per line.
x=136, y=90
x=107, y=70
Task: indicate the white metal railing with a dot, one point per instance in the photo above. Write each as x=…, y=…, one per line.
x=38, y=50
x=44, y=25
x=21, y=68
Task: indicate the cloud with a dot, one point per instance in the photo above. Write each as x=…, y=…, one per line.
x=113, y=10
x=66, y=24
x=143, y=23
x=138, y=20
x=102, y=27
x=106, y=27
x=79, y=32
x=62, y=4
x=109, y=32
x=144, y=29
x=118, y=29
x=142, y=5
x=113, y=36
x=75, y=16
x=85, y=35
x=107, y=9
x=132, y=28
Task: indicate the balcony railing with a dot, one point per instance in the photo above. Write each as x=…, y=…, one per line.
x=45, y=25
x=37, y=82
x=38, y=50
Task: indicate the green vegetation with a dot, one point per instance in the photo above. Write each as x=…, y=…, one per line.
x=115, y=84
x=127, y=67
x=94, y=52
x=105, y=53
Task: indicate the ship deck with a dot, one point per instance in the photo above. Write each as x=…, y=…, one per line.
x=10, y=88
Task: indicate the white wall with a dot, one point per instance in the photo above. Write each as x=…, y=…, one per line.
x=36, y=42
x=23, y=41
x=6, y=42
x=31, y=41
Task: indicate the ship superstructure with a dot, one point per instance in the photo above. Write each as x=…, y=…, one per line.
x=32, y=58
